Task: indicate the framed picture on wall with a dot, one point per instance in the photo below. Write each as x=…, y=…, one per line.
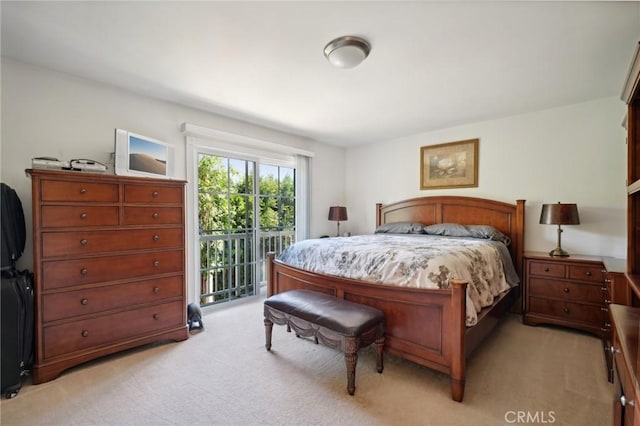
x=449, y=165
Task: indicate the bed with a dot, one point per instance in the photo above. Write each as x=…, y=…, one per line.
x=425, y=326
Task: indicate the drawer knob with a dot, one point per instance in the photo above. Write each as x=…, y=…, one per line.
x=155, y=215
x=604, y=289
x=83, y=242
x=565, y=310
x=604, y=309
x=607, y=301
x=156, y=238
x=156, y=290
x=83, y=216
x=566, y=289
x=83, y=190
x=85, y=333
x=613, y=350
x=588, y=273
x=156, y=317
x=546, y=269
x=155, y=194
x=84, y=302
x=84, y=271
x=608, y=281
x=156, y=263
x=624, y=401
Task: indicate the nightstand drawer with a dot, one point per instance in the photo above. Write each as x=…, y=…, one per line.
x=589, y=314
x=586, y=273
x=547, y=269
x=554, y=289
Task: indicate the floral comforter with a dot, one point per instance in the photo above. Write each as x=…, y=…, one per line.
x=422, y=261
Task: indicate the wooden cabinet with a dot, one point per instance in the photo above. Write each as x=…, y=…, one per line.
x=626, y=330
x=631, y=96
x=109, y=266
x=566, y=291
x=626, y=288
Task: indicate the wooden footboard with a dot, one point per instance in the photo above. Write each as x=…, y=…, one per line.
x=439, y=344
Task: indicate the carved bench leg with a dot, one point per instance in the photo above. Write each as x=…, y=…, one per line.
x=268, y=328
x=351, y=359
x=379, y=347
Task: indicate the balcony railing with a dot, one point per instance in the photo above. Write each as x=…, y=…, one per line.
x=229, y=267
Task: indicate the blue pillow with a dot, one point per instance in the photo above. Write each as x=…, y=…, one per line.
x=485, y=232
x=400, y=228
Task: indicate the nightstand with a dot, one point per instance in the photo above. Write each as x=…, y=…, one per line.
x=566, y=291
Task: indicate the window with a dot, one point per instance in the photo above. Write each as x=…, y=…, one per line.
x=243, y=203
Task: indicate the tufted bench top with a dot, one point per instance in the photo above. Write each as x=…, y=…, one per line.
x=341, y=316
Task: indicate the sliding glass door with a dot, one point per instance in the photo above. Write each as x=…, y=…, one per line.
x=245, y=209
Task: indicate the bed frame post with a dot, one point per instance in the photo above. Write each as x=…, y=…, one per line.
x=459, y=327
x=520, y=235
x=271, y=279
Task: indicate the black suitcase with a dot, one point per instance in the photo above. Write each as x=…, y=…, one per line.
x=16, y=345
x=16, y=297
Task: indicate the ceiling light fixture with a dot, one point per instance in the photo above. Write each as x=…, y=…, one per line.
x=347, y=51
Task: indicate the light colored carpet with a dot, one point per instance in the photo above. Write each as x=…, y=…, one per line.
x=224, y=375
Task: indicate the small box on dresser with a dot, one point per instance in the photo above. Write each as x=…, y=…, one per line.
x=109, y=266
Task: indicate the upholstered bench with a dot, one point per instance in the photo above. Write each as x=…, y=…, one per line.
x=334, y=322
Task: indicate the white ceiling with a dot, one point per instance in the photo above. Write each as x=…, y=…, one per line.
x=432, y=65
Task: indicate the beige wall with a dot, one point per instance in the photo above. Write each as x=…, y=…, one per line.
x=46, y=113
x=575, y=153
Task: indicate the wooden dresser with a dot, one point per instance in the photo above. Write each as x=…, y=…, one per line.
x=109, y=266
x=626, y=342
x=567, y=291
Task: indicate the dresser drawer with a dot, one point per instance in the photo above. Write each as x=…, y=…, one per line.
x=152, y=215
x=67, y=273
x=588, y=314
x=91, y=242
x=540, y=287
x=92, y=300
x=79, y=191
x=586, y=273
x=547, y=269
x=90, y=333
x=144, y=194
x=75, y=216
x=626, y=383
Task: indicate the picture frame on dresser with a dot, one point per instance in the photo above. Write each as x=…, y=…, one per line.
x=138, y=155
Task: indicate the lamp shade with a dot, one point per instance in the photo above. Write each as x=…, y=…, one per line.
x=338, y=213
x=559, y=214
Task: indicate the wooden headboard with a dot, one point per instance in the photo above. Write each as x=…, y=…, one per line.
x=507, y=218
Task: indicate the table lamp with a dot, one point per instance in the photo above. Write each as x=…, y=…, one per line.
x=559, y=214
x=338, y=213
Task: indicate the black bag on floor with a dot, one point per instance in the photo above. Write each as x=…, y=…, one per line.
x=16, y=345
